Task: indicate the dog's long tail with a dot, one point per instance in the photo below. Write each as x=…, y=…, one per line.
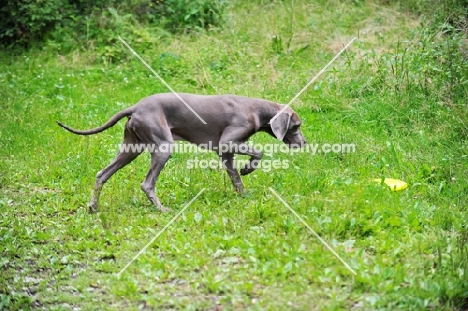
x=111, y=122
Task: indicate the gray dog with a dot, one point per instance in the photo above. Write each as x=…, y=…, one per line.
x=230, y=121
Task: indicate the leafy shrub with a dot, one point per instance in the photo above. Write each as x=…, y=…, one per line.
x=99, y=34
x=27, y=20
x=87, y=7
x=187, y=15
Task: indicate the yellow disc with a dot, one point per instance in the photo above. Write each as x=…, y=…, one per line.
x=394, y=184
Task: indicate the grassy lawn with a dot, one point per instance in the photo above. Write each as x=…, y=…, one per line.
x=395, y=94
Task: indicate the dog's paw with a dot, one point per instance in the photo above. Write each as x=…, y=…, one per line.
x=249, y=167
x=92, y=208
x=239, y=188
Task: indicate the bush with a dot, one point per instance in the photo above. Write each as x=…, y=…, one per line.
x=187, y=15
x=25, y=21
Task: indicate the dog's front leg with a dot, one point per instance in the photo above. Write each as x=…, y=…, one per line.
x=227, y=160
x=255, y=156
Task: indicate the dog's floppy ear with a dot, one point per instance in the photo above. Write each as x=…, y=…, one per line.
x=280, y=125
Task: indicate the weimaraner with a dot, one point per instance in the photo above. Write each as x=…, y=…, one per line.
x=230, y=121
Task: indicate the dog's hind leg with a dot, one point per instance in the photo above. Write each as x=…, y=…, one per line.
x=129, y=150
x=160, y=138
x=158, y=160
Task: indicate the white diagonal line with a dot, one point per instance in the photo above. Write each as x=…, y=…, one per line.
x=159, y=233
x=313, y=79
x=313, y=232
x=161, y=79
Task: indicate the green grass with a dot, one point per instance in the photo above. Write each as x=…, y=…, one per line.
x=397, y=94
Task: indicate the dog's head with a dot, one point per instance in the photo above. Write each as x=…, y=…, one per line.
x=286, y=127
